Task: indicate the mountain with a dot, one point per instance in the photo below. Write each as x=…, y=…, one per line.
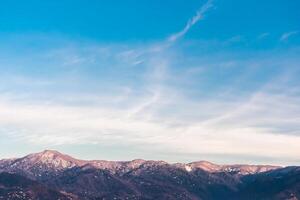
x=239, y=169
x=144, y=179
x=282, y=183
x=51, y=162
x=15, y=187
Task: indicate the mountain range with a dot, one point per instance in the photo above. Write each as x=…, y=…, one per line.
x=53, y=175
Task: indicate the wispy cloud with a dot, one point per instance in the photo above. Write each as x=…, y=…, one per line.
x=157, y=109
x=155, y=96
x=191, y=22
x=286, y=36
x=262, y=124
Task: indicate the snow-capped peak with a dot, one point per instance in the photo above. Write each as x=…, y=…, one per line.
x=49, y=159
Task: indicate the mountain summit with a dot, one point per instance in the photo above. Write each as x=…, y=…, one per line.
x=51, y=158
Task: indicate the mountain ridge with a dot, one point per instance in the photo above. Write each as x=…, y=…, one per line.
x=140, y=179
x=55, y=159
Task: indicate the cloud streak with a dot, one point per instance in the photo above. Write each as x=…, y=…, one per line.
x=287, y=35
x=191, y=22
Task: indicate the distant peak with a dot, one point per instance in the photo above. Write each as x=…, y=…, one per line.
x=51, y=154
x=138, y=161
x=52, y=158
x=204, y=162
x=54, y=152
x=242, y=169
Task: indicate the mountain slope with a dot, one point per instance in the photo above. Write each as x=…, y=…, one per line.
x=13, y=186
x=278, y=184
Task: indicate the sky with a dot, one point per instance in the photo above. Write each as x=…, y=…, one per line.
x=171, y=80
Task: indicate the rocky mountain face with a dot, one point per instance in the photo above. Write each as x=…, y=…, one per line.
x=141, y=179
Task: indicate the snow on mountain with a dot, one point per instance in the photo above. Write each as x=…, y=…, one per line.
x=239, y=169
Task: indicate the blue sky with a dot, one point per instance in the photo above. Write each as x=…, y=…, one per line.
x=205, y=80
